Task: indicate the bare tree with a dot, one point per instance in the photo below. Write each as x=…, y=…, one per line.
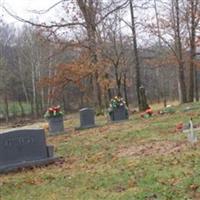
x=142, y=104
x=192, y=20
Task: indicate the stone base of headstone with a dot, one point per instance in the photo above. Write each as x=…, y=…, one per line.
x=27, y=165
x=56, y=125
x=24, y=148
x=119, y=114
x=85, y=127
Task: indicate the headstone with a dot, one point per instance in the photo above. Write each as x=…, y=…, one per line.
x=87, y=118
x=22, y=148
x=120, y=113
x=191, y=135
x=56, y=125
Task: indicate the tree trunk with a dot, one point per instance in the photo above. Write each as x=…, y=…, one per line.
x=143, y=99
x=157, y=23
x=6, y=107
x=165, y=102
x=89, y=11
x=21, y=108
x=94, y=60
x=98, y=87
x=125, y=90
x=118, y=80
x=192, y=52
x=42, y=99
x=196, y=85
x=22, y=81
x=109, y=94
x=181, y=76
x=137, y=63
x=34, y=100
x=64, y=101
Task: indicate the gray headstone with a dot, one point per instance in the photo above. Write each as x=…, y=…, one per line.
x=21, y=148
x=56, y=125
x=118, y=114
x=87, y=118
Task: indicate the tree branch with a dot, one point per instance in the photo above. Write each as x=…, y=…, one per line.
x=41, y=12
x=123, y=5
x=55, y=25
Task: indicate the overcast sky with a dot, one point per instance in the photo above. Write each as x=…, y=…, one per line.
x=22, y=7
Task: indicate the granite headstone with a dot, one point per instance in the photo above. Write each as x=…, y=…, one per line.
x=22, y=148
x=87, y=118
x=56, y=125
x=120, y=113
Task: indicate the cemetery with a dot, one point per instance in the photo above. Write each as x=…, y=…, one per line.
x=100, y=100
x=139, y=158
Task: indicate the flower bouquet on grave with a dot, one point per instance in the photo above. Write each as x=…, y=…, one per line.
x=54, y=116
x=117, y=104
x=53, y=112
x=147, y=113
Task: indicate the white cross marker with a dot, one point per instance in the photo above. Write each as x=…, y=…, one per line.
x=191, y=135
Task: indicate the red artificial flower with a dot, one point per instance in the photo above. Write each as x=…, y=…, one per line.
x=57, y=109
x=149, y=111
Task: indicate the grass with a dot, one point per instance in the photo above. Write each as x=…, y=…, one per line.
x=14, y=109
x=138, y=159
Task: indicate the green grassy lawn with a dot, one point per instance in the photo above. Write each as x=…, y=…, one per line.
x=138, y=159
x=14, y=109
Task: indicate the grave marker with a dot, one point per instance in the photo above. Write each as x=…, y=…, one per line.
x=191, y=135
x=22, y=148
x=119, y=114
x=87, y=118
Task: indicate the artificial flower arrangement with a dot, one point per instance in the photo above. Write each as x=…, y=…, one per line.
x=168, y=110
x=147, y=113
x=53, y=112
x=115, y=103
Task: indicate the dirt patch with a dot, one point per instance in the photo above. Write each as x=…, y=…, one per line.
x=153, y=148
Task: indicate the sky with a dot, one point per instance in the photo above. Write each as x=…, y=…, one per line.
x=22, y=8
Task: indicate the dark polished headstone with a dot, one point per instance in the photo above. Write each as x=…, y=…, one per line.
x=56, y=125
x=21, y=148
x=120, y=113
x=87, y=118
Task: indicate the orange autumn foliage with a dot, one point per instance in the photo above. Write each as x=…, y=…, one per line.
x=76, y=71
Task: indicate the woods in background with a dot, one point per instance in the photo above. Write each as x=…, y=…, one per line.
x=96, y=51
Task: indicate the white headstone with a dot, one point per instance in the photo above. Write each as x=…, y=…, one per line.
x=191, y=135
